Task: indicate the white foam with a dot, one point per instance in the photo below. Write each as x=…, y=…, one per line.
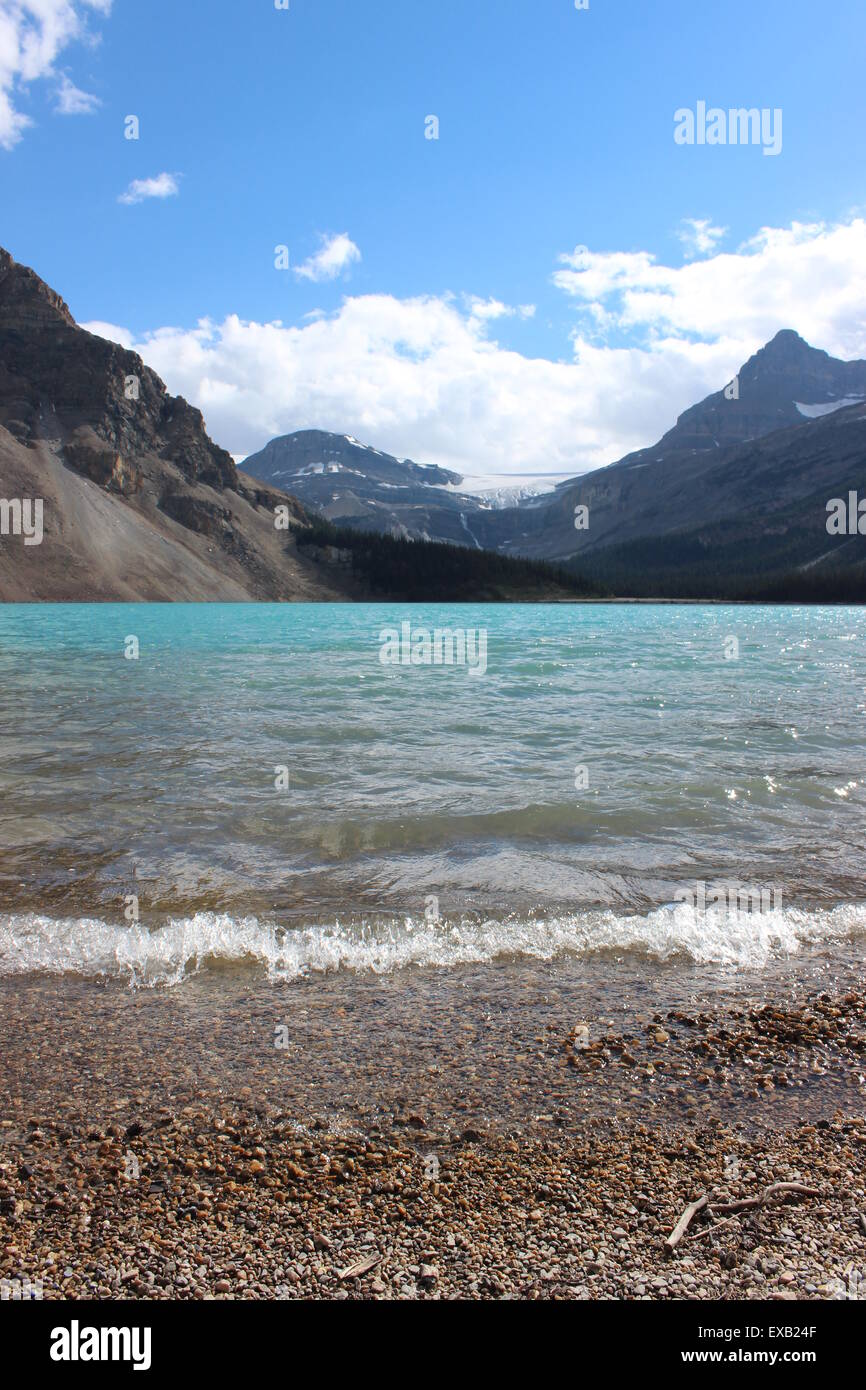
x=183, y=947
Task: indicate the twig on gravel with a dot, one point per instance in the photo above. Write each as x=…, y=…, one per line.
x=711, y=1230
x=362, y=1267
x=682, y=1225
x=776, y=1189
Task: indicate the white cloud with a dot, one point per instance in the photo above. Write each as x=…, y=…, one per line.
x=71, y=101
x=423, y=377
x=162, y=186
x=811, y=277
x=699, y=237
x=33, y=33
x=112, y=332
x=489, y=309
x=334, y=256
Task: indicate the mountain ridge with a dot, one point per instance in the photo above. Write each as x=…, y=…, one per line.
x=138, y=501
x=355, y=484
x=787, y=385
x=662, y=488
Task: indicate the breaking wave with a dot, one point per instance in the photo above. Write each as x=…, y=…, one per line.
x=183, y=947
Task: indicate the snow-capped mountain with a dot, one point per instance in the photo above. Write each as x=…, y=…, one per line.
x=354, y=484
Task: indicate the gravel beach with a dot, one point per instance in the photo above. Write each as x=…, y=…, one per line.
x=215, y=1191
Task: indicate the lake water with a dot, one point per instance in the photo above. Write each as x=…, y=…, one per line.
x=267, y=794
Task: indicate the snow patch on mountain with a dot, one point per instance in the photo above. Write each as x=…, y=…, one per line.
x=815, y=412
x=507, y=489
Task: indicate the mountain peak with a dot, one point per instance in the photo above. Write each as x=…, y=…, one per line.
x=788, y=336
x=779, y=386
x=788, y=348
x=25, y=300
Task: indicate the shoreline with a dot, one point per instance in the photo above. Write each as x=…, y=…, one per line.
x=145, y=1169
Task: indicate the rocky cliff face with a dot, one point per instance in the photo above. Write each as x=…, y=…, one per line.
x=138, y=500
x=107, y=405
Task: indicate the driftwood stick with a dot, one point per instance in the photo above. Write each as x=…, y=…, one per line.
x=711, y=1230
x=361, y=1267
x=776, y=1189
x=682, y=1225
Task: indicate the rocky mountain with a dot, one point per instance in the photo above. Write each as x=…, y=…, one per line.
x=135, y=500
x=759, y=458
x=353, y=484
x=759, y=510
x=789, y=433
x=784, y=384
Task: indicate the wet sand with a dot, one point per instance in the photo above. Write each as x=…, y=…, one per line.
x=517, y=1131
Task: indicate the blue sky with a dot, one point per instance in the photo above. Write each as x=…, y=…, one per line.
x=452, y=328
